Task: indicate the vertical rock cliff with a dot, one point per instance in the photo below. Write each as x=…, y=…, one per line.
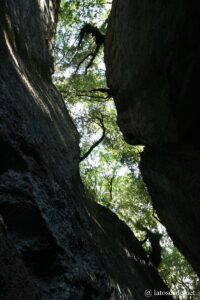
x=153, y=62
x=54, y=243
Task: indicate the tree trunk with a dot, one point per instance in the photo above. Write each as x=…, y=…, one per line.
x=54, y=243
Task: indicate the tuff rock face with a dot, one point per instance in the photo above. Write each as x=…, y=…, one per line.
x=152, y=58
x=54, y=243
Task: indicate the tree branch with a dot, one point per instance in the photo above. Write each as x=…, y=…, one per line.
x=99, y=41
x=155, y=217
x=110, y=188
x=97, y=142
x=94, y=31
x=101, y=90
x=82, y=61
x=107, y=91
x=95, y=98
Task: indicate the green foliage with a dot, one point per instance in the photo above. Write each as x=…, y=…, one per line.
x=110, y=173
x=73, y=15
x=178, y=274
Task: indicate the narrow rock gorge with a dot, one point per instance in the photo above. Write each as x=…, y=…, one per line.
x=54, y=242
x=152, y=59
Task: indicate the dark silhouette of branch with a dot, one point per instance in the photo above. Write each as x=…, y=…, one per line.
x=97, y=142
x=110, y=187
x=144, y=241
x=82, y=61
x=94, y=31
x=94, y=55
x=154, y=239
x=99, y=41
x=94, y=97
x=155, y=217
x=101, y=90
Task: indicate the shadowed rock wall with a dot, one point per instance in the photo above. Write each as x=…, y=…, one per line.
x=55, y=244
x=153, y=62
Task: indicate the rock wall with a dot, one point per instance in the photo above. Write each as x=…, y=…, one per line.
x=153, y=62
x=55, y=243
x=172, y=177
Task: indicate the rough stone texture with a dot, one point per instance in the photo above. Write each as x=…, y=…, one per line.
x=15, y=282
x=54, y=244
x=172, y=176
x=152, y=55
x=152, y=58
